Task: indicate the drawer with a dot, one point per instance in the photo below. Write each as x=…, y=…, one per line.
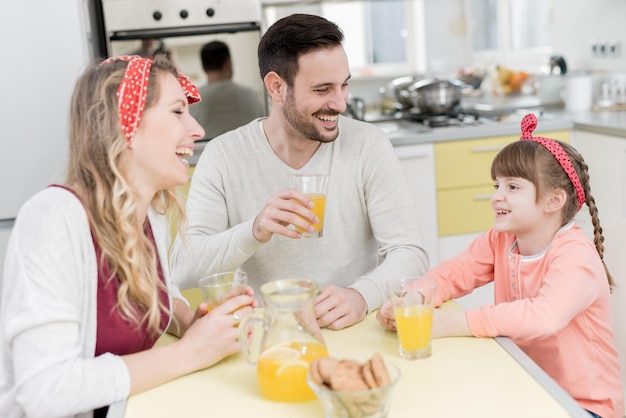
x=465, y=210
x=468, y=162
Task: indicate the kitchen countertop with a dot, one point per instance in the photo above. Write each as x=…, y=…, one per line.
x=407, y=133
x=606, y=122
x=402, y=132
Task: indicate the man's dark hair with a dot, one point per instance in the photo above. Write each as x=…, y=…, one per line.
x=292, y=36
x=214, y=55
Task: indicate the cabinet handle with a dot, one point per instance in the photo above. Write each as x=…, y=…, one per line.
x=489, y=148
x=482, y=197
x=413, y=156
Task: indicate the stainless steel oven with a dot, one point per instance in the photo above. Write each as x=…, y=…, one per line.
x=182, y=27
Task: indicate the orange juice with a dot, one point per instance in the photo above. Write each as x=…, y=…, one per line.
x=319, y=205
x=414, y=324
x=282, y=370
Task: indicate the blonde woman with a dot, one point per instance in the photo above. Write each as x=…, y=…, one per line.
x=86, y=289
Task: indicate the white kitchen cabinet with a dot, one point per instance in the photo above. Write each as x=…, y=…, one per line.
x=418, y=166
x=450, y=246
x=606, y=157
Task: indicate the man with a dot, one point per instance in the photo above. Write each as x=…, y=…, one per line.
x=370, y=227
x=225, y=104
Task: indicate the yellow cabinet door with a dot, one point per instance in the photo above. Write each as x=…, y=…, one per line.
x=194, y=295
x=464, y=211
x=468, y=162
x=184, y=191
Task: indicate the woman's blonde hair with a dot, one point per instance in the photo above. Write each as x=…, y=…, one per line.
x=96, y=172
x=532, y=161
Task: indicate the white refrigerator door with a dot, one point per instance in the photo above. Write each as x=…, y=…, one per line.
x=44, y=49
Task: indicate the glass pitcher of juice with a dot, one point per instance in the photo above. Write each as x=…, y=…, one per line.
x=284, y=339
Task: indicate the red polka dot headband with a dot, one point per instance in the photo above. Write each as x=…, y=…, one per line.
x=131, y=94
x=529, y=123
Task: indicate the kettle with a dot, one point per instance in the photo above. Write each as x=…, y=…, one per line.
x=355, y=107
x=284, y=339
x=557, y=65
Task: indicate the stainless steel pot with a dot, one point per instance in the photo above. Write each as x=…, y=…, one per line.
x=399, y=86
x=436, y=97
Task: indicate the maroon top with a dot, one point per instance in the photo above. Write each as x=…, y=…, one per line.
x=115, y=334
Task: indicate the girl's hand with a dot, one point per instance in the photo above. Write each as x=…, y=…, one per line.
x=386, y=317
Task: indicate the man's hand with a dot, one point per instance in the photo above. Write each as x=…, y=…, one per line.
x=338, y=307
x=386, y=316
x=284, y=208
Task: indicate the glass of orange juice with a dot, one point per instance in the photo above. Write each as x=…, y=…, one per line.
x=219, y=287
x=412, y=299
x=315, y=186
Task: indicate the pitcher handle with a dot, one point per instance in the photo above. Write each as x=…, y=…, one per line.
x=249, y=338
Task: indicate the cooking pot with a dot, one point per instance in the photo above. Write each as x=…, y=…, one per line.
x=397, y=90
x=436, y=97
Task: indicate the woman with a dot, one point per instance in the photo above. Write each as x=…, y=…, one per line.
x=86, y=289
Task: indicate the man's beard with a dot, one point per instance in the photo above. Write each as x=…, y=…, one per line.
x=300, y=124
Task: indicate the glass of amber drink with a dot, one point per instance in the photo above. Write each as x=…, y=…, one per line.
x=219, y=287
x=412, y=298
x=315, y=186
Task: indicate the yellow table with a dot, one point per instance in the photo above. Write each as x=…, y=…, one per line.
x=465, y=377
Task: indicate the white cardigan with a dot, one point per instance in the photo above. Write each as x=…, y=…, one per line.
x=48, y=313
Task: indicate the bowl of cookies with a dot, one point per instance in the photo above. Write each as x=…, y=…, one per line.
x=349, y=388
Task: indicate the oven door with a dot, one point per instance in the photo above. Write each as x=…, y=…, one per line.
x=182, y=27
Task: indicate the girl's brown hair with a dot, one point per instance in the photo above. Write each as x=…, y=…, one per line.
x=532, y=161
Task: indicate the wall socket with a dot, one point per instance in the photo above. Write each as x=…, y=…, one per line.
x=605, y=49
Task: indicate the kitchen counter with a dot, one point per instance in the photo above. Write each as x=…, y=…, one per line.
x=608, y=122
x=402, y=132
x=469, y=377
x=406, y=133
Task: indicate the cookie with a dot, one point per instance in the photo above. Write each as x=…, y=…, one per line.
x=346, y=376
x=379, y=369
x=316, y=376
x=326, y=366
x=368, y=376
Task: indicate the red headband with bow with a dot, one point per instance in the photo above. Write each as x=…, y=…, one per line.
x=131, y=94
x=529, y=123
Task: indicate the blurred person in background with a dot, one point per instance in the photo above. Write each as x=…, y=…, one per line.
x=226, y=105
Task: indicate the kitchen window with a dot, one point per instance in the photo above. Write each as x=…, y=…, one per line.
x=510, y=30
x=379, y=39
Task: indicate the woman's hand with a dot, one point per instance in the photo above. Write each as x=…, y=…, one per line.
x=213, y=335
x=206, y=339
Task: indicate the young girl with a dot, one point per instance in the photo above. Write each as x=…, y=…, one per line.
x=552, y=291
x=86, y=288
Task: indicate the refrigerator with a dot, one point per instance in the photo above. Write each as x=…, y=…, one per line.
x=45, y=46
